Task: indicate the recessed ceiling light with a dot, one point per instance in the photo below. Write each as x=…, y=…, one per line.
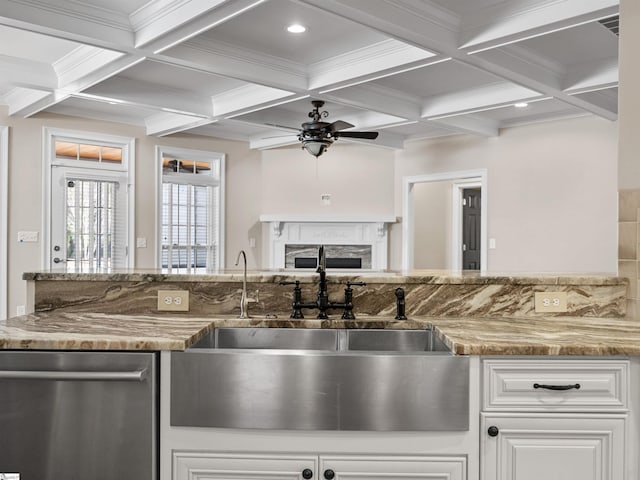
x=296, y=28
x=521, y=104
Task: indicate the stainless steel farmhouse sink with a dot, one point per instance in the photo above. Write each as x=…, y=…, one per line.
x=324, y=339
x=320, y=379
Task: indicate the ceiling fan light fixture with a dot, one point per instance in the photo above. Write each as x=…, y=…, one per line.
x=316, y=147
x=296, y=28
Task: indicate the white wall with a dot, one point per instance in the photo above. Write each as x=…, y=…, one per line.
x=432, y=212
x=552, y=192
x=359, y=179
x=25, y=196
x=629, y=95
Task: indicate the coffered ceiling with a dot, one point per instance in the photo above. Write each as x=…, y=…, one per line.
x=406, y=68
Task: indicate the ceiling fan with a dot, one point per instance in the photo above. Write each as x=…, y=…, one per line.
x=316, y=136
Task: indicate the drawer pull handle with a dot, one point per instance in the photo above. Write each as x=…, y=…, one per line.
x=557, y=387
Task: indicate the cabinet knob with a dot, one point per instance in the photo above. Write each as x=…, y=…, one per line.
x=493, y=431
x=329, y=474
x=307, y=473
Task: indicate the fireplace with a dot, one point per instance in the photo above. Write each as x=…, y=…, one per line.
x=351, y=243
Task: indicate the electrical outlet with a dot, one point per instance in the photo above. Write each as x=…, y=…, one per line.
x=551, y=302
x=173, y=300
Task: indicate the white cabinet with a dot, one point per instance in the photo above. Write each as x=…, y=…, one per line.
x=554, y=419
x=222, y=466
x=553, y=447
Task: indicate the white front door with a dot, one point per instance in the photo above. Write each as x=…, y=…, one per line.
x=88, y=220
x=88, y=202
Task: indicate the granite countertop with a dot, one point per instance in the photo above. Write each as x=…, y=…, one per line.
x=465, y=336
x=337, y=276
x=97, y=331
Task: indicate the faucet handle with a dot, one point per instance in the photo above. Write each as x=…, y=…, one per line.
x=400, y=304
x=348, y=300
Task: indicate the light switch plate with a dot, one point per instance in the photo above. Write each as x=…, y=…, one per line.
x=27, y=237
x=173, y=300
x=552, y=302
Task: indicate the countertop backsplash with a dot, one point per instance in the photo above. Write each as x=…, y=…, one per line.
x=427, y=293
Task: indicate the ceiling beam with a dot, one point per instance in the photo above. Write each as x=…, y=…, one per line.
x=378, y=60
x=470, y=124
x=77, y=22
x=600, y=73
x=231, y=62
x=164, y=124
x=471, y=100
x=378, y=98
x=159, y=26
x=493, y=27
x=27, y=73
x=410, y=25
x=151, y=95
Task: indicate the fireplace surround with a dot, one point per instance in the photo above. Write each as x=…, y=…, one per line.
x=352, y=242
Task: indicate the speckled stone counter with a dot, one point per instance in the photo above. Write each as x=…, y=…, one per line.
x=465, y=336
x=430, y=293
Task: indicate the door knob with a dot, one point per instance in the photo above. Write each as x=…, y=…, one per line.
x=58, y=260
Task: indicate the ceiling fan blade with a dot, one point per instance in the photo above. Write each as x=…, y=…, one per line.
x=339, y=125
x=366, y=135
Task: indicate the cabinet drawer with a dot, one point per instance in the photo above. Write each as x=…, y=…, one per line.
x=528, y=385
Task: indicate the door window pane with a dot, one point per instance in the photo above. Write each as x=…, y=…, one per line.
x=91, y=224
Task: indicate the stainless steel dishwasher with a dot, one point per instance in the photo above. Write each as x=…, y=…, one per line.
x=78, y=415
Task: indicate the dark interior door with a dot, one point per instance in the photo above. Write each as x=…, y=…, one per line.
x=471, y=228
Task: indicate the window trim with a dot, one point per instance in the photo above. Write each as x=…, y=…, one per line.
x=4, y=220
x=161, y=152
x=126, y=168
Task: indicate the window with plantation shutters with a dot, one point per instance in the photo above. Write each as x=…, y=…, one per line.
x=191, y=209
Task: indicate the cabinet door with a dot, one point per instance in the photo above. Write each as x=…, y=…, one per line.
x=552, y=447
x=353, y=467
x=189, y=465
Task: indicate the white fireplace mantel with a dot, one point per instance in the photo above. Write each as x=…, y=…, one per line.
x=328, y=230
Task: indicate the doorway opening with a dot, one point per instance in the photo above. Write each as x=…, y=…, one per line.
x=438, y=230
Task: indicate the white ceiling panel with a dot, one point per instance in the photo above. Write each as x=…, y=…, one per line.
x=32, y=46
x=444, y=77
x=263, y=29
x=408, y=69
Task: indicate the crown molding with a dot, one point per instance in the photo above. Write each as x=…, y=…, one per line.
x=375, y=58
x=78, y=10
x=82, y=61
x=243, y=55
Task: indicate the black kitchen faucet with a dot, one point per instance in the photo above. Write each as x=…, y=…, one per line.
x=322, y=303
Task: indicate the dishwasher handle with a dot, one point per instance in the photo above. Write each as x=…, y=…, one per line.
x=122, y=376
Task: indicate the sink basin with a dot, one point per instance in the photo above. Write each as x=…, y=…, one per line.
x=307, y=339
x=320, y=379
x=395, y=341
x=277, y=338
